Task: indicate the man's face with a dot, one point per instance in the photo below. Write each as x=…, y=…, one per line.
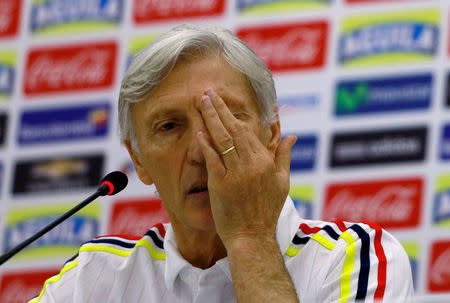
x=166, y=126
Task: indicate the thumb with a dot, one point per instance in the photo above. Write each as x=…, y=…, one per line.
x=283, y=154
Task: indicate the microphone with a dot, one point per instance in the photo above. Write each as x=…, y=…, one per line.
x=111, y=184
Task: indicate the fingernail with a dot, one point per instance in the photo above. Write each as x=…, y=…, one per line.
x=211, y=93
x=294, y=140
x=206, y=101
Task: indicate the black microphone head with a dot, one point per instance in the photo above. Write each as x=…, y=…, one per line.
x=113, y=183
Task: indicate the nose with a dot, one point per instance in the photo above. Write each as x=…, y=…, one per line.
x=194, y=152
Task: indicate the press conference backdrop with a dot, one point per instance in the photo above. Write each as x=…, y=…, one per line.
x=362, y=83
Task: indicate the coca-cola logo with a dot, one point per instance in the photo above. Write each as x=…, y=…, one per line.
x=439, y=269
x=154, y=10
x=391, y=204
x=136, y=217
x=288, y=47
x=19, y=287
x=18, y=292
x=9, y=17
x=74, y=68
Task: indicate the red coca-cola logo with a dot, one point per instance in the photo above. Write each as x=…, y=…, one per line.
x=19, y=287
x=134, y=218
x=389, y=203
x=288, y=47
x=70, y=68
x=145, y=11
x=9, y=17
x=439, y=267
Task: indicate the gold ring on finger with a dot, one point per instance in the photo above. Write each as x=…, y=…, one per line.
x=228, y=150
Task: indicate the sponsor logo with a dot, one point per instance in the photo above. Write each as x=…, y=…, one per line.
x=445, y=142
x=21, y=286
x=383, y=95
x=1, y=177
x=439, y=267
x=274, y=6
x=296, y=104
x=393, y=38
x=70, y=68
x=441, y=203
x=377, y=147
x=62, y=241
x=392, y=203
x=362, y=1
x=288, y=47
x=63, y=16
x=58, y=174
x=137, y=44
x=3, y=128
x=65, y=124
x=303, y=197
x=9, y=17
x=7, y=73
x=303, y=154
x=146, y=11
x=413, y=251
x=447, y=91
x=135, y=217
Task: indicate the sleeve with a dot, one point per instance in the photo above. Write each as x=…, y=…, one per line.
x=59, y=288
x=367, y=265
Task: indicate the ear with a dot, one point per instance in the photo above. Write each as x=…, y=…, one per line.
x=140, y=170
x=274, y=134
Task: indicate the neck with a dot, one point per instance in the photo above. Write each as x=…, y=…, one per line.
x=200, y=248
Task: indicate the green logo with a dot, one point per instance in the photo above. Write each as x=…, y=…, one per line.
x=349, y=100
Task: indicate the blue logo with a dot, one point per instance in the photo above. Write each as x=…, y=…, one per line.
x=303, y=197
x=22, y=223
x=74, y=231
x=75, y=15
x=64, y=124
x=441, y=205
x=6, y=80
x=303, y=154
x=401, y=37
x=445, y=142
x=292, y=104
x=383, y=95
x=274, y=5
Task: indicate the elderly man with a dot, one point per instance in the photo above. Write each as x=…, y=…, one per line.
x=198, y=115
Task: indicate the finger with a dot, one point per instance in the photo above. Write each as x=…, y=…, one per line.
x=236, y=128
x=214, y=163
x=221, y=138
x=283, y=154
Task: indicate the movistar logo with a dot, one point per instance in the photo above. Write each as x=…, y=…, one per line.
x=349, y=100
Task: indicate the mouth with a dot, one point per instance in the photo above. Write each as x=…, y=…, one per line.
x=198, y=189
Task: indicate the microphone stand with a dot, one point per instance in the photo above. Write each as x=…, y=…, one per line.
x=101, y=191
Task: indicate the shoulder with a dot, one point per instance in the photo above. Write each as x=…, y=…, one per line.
x=362, y=258
x=124, y=246
x=105, y=255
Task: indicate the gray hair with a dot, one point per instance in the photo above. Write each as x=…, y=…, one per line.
x=153, y=63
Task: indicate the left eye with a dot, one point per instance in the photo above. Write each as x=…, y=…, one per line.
x=167, y=126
